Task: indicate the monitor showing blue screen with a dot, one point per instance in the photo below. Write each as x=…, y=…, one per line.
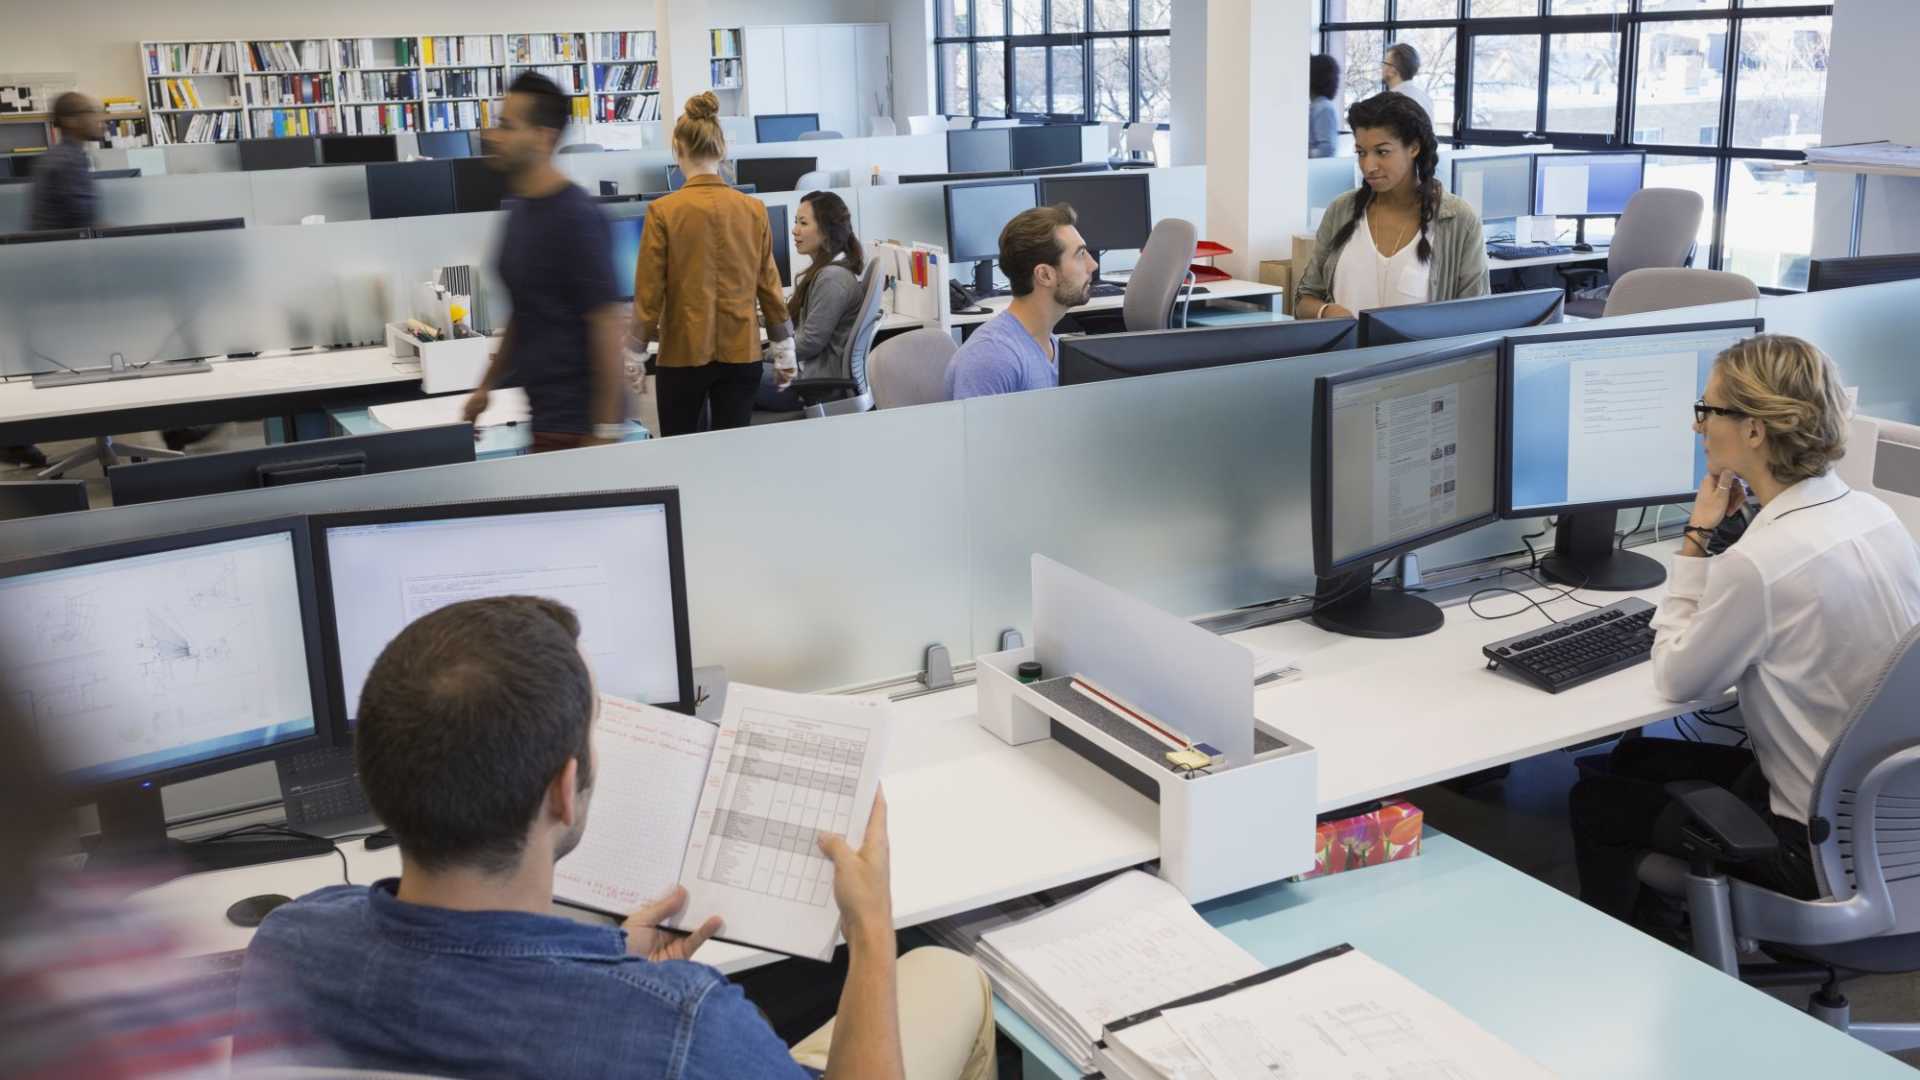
x=626, y=250
x=784, y=127
x=1598, y=421
x=1586, y=185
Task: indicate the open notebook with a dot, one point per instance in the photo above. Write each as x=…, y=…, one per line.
x=731, y=812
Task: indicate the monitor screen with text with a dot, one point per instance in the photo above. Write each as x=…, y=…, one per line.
x=611, y=565
x=1609, y=420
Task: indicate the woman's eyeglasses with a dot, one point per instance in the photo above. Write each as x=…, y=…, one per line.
x=1702, y=410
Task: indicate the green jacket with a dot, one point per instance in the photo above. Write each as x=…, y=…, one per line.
x=1459, y=252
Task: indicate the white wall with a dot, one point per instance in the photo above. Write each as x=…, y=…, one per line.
x=1871, y=38
x=98, y=40
x=913, y=71
x=1188, y=122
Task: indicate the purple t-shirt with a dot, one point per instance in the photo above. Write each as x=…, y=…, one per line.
x=1000, y=358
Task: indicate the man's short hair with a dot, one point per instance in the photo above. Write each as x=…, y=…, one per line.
x=551, y=109
x=1029, y=242
x=69, y=105
x=1405, y=59
x=466, y=718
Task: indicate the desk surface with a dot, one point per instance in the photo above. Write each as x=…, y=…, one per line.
x=1582, y=994
x=1598, y=254
x=1233, y=289
x=229, y=379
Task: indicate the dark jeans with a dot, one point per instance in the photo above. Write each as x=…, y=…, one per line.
x=726, y=390
x=1620, y=797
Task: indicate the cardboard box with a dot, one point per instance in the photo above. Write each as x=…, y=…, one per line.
x=1386, y=834
x=1279, y=272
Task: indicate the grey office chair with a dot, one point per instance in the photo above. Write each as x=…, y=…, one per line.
x=1883, y=457
x=108, y=452
x=1657, y=229
x=817, y=136
x=817, y=180
x=911, y=368
x=1865, y=799
x=1665, y=288
x=1160, y=277
x=582, y=148
x=1139, y=141
x=850, y=392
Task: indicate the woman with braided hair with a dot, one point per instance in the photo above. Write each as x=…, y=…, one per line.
x=1398, y=238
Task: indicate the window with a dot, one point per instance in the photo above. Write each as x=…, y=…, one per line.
x=1724, y=101
x=1087, y=60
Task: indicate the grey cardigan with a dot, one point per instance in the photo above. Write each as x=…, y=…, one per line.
x=825, y=325
x=1459, y=267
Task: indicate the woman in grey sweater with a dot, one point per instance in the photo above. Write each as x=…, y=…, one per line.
x=826, y=298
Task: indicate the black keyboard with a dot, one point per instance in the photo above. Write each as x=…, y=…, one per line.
x=1107, y=288
x=322, y=792
x=1570, y=653
x=1527, y=251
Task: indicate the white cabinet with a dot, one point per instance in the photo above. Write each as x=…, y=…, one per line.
x=844, y=72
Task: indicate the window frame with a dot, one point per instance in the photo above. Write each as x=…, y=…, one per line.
x=1629, y=25
x=1010, y=42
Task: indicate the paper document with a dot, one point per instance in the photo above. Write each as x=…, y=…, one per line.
x=1348, y=1016
x=785, y=768
x=503, y=407
x=1270, y=667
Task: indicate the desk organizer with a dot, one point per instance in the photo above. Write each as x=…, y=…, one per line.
x=445, y=366
x=1220, y=831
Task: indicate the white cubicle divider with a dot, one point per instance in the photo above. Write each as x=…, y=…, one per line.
x=1869, y=331
x=919, y=289
x=853, y=161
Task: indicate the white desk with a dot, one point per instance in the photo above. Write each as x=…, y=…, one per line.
x=1233, y=289
x=1598, y=254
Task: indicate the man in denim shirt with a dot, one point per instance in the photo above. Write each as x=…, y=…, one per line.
x=473, y=745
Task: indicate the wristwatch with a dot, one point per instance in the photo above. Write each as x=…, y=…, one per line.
x=1700, y=533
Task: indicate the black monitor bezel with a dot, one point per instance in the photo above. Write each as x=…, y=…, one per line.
x=145, y=475
x=1535, y=199
x=757, y=117
x=1503, y=478
x=1136, y=179
x=306, y=582
x=760, y=169
x=1818, y=268
x=1081, y=364
x=69, y=495
x=1324, y=565
x=668, y=497
x=1533, y=178
x=1373, y=319
x=999, y=135
x=946, y=196
x=1022, y=136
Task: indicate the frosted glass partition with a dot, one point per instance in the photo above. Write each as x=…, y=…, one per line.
x=51, y=306
x=903, y=212
x=636, y=171
x=1870, y=332
x=284, y=196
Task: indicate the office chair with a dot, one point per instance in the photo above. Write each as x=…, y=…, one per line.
x=1659, y=288
x=911, y=369
x=107, y=452
x=1864, y=797
x=882, y=126
x=926, y=125
x=817, y=180
x=1657, y=229
x=818, y=136
x=582, y=148
x=1139, y=142
x=959, y=123
x=851, y=392
x=1883, y=457
x=1161, y=276
x=995, y=125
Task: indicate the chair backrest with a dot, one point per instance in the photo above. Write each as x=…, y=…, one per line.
x=816, y=136
x=817, y=180
x=582, y=148
x=1885, y=721
x=1883, y=457
x=959, y=123
x=911, y=368
x=1658, y=229
x=873, y=283
x=1157, y=277
x=996, y=124
x=1663, y=288
x=882, y=125
x=926, y=125
x=1140, y=137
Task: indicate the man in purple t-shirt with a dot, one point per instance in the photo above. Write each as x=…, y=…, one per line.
x=1051, y=272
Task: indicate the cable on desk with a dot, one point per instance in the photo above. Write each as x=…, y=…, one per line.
x=269, y=829
x=1558, y=594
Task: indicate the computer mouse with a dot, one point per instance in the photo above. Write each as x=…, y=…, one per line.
x=250, y=911
x=1583, y=247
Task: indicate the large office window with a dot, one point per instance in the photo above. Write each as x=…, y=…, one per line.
x=1724, y=95
x=1074, y=60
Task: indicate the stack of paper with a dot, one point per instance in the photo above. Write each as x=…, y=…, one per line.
x=1125, y=946
x=1895, y=155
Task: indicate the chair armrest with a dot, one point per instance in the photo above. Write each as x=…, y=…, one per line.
x=1713, y=826
x=823, y=389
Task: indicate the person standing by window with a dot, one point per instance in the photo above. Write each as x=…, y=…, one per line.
x=1402, y=64
x=1323, y=116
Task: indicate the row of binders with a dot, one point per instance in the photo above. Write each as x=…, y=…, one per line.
x=202, y=128
x=1127, y=979
x=725, y=42
x=293, y=123
x=447, y=51
x=180, y=94
x=378, y=119
x=378, y=85
x=209, y=59
x=623, y=78
x=629, y=108
x=273, y=56
x=726, y=74
x=289, y=90
x=366, y=52
x=546, y=48
x=466, y=82
x=459, y=115
x=624, y=45
x=568, y=78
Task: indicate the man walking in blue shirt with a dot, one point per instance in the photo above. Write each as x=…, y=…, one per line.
x=1051, y=272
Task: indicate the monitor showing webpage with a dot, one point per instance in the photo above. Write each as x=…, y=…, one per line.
x=1610, y=419
x=611, y=565
x=1411, y=453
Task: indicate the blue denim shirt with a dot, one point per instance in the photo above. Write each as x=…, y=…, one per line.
x=399, y=986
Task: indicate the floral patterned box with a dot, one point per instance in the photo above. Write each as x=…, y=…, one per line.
x=1390, y=831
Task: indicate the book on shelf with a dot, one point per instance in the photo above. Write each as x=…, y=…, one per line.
x=726, y=74
x=378, y=86
x=583, y=109
x=448, y=50
x=466, y=83
x=289, y=90
x=199, y=128
x=624, y=45
x=629, y=108
x=568, y=78
x=726, y=43
x=181, y=94
x=289, y=123
x=547, y=48
x=366, y=52
x=272, y=56
x=626, y=78
x=188, y=58
x=379, y=119
x=460, y=115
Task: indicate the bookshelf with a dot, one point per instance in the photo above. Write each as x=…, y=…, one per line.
x=465, y=78
x=378, y=82
x=287, y=86
x=561, y=57
x=727, y=61
x=193, y=91
x=626, y=76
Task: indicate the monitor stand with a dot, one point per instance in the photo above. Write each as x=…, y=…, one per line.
x=133, y=833
x=1364, y=611
x=1585, y=556
x=982, y=279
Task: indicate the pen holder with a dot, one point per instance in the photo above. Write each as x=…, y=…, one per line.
x=445, y=366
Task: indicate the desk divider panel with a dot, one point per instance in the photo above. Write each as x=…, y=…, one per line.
x=1870, y=331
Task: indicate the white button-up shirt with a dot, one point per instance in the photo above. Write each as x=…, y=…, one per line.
x=1800, y=615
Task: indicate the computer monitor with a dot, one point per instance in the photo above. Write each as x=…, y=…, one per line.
x=784, y=127
x=148, y=662
x=782, y=243
x=477, y=186
x=625, y=233
x=1403, y=457
x=1586, y=185
x=947, y=178
x=1602, y=421
x=971, y=150
x=117, y=174
x=774, y=173
x=1036, y=147
x=35, y=498
x=358, y=149
x=399, y=189
x=1498, y=188
x=258, y=154
x=1115, y=211
x=615, y=558
x=1488, y=314
x=167, y=227
x=443, y=145
x=1061, y=170
x=1099, y=357
x=1824, y=274
x=290, y=463
x=675, y=179
x=975, y=215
